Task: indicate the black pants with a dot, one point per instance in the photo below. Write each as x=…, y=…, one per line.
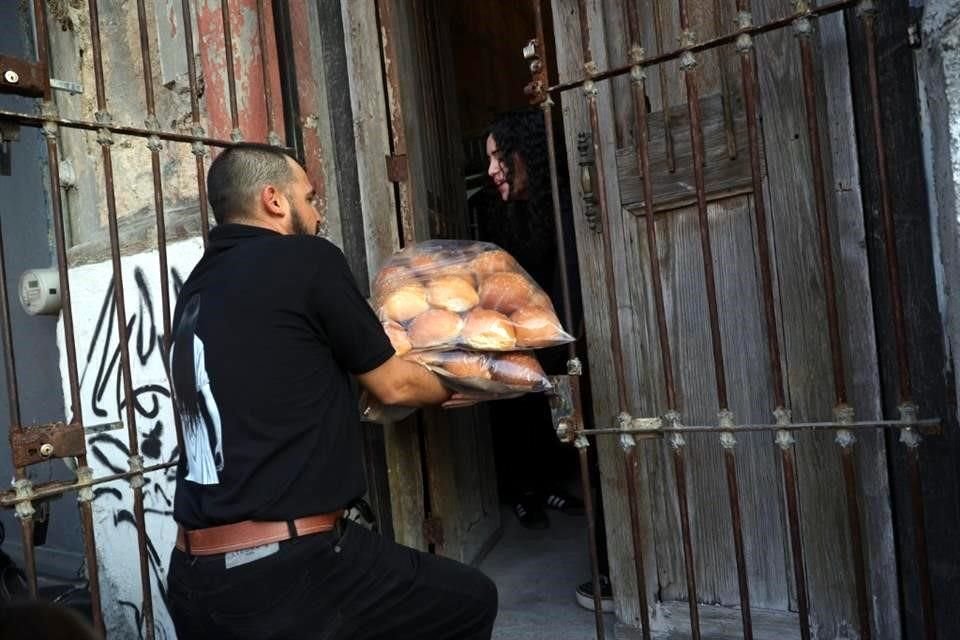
x=529, y=457
x=349, y=584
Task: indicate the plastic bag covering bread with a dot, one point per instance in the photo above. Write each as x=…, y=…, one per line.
x=453, y=294
x=486, y=375
x=480, y=375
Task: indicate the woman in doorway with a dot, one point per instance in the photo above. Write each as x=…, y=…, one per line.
x=533, y=466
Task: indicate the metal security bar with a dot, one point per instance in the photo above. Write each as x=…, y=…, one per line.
x=668, y=426
x=34, y=444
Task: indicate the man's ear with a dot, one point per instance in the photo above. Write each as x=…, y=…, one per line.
x=272, y=200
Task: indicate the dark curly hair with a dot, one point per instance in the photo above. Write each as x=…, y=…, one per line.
x=522, y=133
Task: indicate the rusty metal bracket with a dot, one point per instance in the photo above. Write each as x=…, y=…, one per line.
x=536, y=89
x=23, y=77
x=398, y=169
x=563, y=409
x=35, y=444
x=433, y=531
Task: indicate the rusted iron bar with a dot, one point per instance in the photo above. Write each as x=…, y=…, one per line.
x=198, y=149
x=154, y=145
x=58, y=488
x=641, y=128
x=664, y=88
x=688, y=66
x=48, y=110
x=822, y=10
x=547, y=106
x=804, y=29
x=678, y=443
x=31, y=120
x=920, y=543
x=9, y=358
x=235, y=134
x=398, y=135
x=287, y=69
x=582, y=444
x=846, y=441
x=733, y=490
x=911, y=439
x=786, y=442
x=725, y=92
x=266, y=61
x=613, y=306
x=573, y=364
x=749, y=82
x=930, y=426
x=908, y=410
x=136, y=462
x=25, y=516
x=868, y=15
x=29, y=552
x=629, y=445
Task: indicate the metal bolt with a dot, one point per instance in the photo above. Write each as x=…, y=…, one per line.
x=11, y=76
x=46, y=450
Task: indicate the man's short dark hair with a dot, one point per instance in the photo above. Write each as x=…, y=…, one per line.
x=237, y=175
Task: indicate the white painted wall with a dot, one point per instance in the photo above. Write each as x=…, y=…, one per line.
x=101, y=385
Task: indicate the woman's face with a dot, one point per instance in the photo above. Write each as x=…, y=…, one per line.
x=510, y=187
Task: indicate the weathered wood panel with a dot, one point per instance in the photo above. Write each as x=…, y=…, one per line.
x=461, y=484
x=673, y=190
x=799, y=304
x=368, y=105
x=597, y=311
x=932, y=378
x=747, y=370
x=858, y=325
x=370, y=130
x=802, y=298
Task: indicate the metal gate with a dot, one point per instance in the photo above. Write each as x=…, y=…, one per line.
x=667, y=426
x=278, y=107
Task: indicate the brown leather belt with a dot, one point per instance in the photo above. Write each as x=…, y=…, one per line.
x=250, y=533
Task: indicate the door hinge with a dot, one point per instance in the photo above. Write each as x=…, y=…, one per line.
x=433, y=531
x=398, y=169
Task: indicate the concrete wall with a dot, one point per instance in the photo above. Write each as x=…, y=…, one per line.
x=25, y=224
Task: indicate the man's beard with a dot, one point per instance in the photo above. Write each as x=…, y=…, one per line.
x=301, y=229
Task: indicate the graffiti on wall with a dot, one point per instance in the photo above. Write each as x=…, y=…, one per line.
x=103, y=402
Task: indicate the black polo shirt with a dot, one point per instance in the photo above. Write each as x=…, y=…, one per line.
x=280, y=327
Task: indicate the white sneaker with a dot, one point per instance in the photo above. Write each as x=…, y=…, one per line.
x=585, y=595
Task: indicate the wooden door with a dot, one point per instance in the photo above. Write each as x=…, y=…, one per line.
x=461, y=507
x=799, y=305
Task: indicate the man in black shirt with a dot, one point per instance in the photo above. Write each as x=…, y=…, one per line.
x=269, y=332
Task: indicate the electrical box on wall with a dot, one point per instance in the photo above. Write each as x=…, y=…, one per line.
x=40, y=291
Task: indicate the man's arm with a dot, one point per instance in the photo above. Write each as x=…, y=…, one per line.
x=399, y=382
